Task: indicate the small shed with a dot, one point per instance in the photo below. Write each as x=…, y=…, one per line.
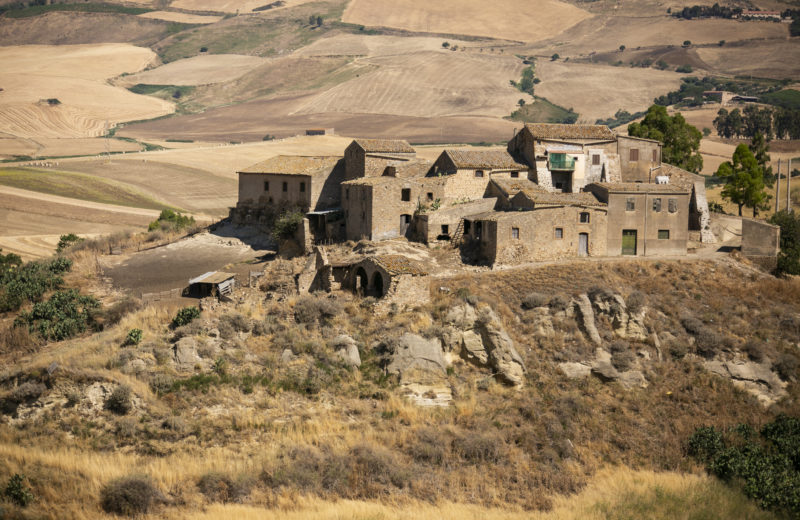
x=394, y=278
x=213, y=283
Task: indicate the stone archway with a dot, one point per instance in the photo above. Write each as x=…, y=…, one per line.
x=377, y=284
x=361, y=282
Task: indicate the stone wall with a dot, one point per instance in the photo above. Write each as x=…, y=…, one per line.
x=760, y=238
x=638, y=170
x=254, y=192
x=429, y=226
x=357, y=206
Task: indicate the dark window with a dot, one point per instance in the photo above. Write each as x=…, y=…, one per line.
x=657, y=205
x=445, y=229
x=630, y=204
x=405, y=194
x=347, y=193
x=266, y=185
x=634, y=154
x=467, y=226
x=559, y=232
x=285, y=186
x=514, y=232
x=478, y=173
x=596, y=159
x=514, y=175
x=673, y=205
x=584, y=217
x=430, y=196
x=655, y=155
x=302, y=187
x=663, y=234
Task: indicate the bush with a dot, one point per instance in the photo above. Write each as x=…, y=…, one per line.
x=221, y=488
x=684, y=69
x=429, y=447
x=286, y=225
x=237, y=322
x=786, y=366
x=479, y=448
x=134, y=337
x=622, y=357
x=635, y=301
x=130, y=496
x=170, y=220
x=310, y=310
x=692, y=325
x=119, y=401
x=534, y=300
x=67, y=241
x=66, y=314
x=755, y=350
x=708, y=343
x=17, y=492
x=185, y=316
x=114, y=314
x=28, y=283
x=559, y=302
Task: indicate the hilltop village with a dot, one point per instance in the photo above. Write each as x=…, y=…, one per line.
x=557, y=191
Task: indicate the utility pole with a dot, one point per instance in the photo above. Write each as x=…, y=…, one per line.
x=789, y=188
x=778, y=192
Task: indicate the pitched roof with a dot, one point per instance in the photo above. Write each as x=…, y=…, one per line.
x=561, y=131
x=294, y=165
x=641, y=187
x=561, y=199
x=374, y=181
x=398, y=264
x=411, y=169
x=495, y=159
x=385, y=145
x=510, y=187
x=679, y=177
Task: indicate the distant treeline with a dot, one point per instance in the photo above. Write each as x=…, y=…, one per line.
x=704, y=11
x=37, y=7
x=778, y=122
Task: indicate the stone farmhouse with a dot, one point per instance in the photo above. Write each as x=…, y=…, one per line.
x=556, y=191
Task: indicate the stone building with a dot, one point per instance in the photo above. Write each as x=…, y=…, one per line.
x=699, y=216
x=394, y=278
x=639, y=158
x=645, y=219
x=468, y=172
x=371, y=157
x=541, y=226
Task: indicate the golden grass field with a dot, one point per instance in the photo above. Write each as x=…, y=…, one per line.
x=613, y=88
x=75, y=76
x=229, y=6
x=50, y=147
x=772, y=59
x=199, y=70
x=174, y=16
x=530, y=21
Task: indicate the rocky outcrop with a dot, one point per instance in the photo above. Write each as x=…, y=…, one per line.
x=628, y=325
x=417, y=360
x=503, y=357
x=346, y=350
x=585, y=315
x=603, y=369
x=185, y=356
x=756, y=378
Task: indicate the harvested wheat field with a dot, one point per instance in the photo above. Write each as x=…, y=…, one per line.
x=598, y=91
x=231, y=6
x=199, y=70
x=380, y=45
x=426, y=84
x=174, y=16
x=769, y=59
x=42, y=147
x=60, y=91
x=507, y=19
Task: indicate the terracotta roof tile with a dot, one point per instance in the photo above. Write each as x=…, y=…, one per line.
x=489, y=159
x=566, y=199
x=294, y=165
x=399, y=264
x=385, y=145
x=561, y=131
x=511, y=187
x=678, y=176
x=641, y=187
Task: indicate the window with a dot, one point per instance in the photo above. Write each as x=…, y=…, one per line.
x=405, y=194
x=445, y=229
x=478, y=173
x=467, y=226
x=584, y=217
x=634, y=154
x=515, y=175
x=655, y=155
x=559, y=232
x=673, y=205
x=285, y=186
x=595, y=159
x=657, y=205
x=630, y=204
x=430, y=196
x=514, y=232
x=347, y=193
x=663, y=234
x=266, y=185
x=302, y=187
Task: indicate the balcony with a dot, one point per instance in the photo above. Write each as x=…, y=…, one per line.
x=559, y=162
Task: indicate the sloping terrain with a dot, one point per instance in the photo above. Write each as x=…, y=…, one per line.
x=768, y=59
x=173, y=16
x=199, y=70
x=506, y=20
x=233, y=6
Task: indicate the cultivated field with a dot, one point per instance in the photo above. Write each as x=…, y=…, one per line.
x=45, y=147
x=381, y=45
x=612, y=88
x=769, y=59
x=507, y=19
x=73, y=79
x=231, y=6
x=199, y=70
x=173, y=16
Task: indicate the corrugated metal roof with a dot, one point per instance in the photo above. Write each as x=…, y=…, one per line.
x=398, y=264
x=641, y=187
x=490, y=159
x=294, y=165
x=385, y=145
x=212, y=277
x=566, y=199
x=561, y=131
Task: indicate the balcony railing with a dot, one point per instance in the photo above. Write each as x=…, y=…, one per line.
x=560, y=162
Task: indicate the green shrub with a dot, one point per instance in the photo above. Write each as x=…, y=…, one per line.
x=29, y=282
x=129, y=496
x=66, y=241
x=134, y=337
x=286, y=225
x=17, y=492
x=119, y=401
x=684, y=69
x=185, y=316
x=168, y=219
x=64, y=315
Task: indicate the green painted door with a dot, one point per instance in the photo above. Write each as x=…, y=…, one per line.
x=629, y=242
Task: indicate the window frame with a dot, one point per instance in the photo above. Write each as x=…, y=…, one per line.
x=630, y=204
x=302, y=187
x=584, y=217
x=515, y=233
x=558, y=233
x=285, y=187
x=657, y=205
x=672, y=205
x=663, y=234
x=633, y=155
x=479, y=174
x=595, y=159
x=405, y=195
x=515, y=175
x=266, y=186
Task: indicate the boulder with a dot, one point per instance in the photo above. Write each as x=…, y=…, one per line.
x=575, y=370
x=347, y=350
x=287, y=356
x=503, y=357
x=461, y=316
x=626, y=324
x=542, y=322
x=473, y=349
x=417, y=360
x=585, y=315
x=184, y=354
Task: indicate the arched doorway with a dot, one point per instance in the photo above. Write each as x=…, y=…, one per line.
x=377, y=284
x=362, y=282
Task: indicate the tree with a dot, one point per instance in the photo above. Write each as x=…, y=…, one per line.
x=744, y=181
x=735, y=122
x=621, y=48
x=554, y=57
x=687, y=43
x=789, y=257
x=759, y=146
x=521, y=103
x=681, y=141
x=319, y=21
x=721, y=123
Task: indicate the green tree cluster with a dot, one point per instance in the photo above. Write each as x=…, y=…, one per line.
x=65, y=241
x=744, y=181
x=681, y=141
x=789, y=256
x=64, y=315
x=169, y=219
x=770, y=122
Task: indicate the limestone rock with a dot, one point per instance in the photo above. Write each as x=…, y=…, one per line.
x=473, y=349
x=542, y=322
x=503, y=357
x=461, y=316
x=755, y=378
x=417, y=360
x=347, y=350
x=632, y=378
x=575, y=370
x=287, y=356
x=184, y=354
x=626, y=324
x=585, y=313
